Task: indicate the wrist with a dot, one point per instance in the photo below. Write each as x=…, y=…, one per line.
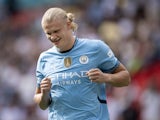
x=108, y=78
x=45, y=100
x=45, y=96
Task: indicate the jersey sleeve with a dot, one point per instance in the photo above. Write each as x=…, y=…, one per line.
x=39, y=71
x=107, y=60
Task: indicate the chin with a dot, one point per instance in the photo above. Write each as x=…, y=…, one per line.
x=58, y=49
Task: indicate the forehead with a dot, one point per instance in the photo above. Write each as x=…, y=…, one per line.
x=54, y=24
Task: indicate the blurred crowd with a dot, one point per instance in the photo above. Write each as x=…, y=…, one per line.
x=130, y=27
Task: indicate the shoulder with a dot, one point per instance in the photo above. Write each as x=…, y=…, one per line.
x=46, y=54
x=95, y=43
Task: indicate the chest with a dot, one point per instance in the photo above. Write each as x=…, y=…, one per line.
x=70, y=66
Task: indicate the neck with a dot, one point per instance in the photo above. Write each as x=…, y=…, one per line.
x=71, y=45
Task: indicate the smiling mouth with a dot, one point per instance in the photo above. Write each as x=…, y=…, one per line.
x=56, y=40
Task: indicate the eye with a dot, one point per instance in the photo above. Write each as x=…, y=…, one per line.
x=48, y=33
x=52, y=32
x=56, y=31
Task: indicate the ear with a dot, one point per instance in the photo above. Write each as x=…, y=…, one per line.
x=69, y=25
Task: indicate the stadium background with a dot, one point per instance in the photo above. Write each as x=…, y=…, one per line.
x=130, y=27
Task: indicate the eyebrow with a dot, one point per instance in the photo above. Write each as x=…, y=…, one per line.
x=53, y=31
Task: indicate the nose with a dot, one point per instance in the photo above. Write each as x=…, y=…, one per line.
x=52, y=36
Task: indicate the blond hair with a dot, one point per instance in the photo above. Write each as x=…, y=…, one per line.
x=58, y=13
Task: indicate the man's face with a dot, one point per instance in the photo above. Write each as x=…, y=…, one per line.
x=58, y=32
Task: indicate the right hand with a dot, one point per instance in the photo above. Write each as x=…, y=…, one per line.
x=45, y=85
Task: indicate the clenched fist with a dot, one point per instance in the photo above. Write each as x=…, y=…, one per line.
x=45, y=85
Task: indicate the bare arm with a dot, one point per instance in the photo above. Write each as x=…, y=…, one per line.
x=42, y=97
x=120, y=77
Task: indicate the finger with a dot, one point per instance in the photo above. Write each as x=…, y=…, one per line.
x=93, y=70
x=94, y=79
x=90, y=71
x=45, y=83
x=45, y=87
x=46, y=79
x=93, y=74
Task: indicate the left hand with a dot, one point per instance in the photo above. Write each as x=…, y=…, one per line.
x=96, y=75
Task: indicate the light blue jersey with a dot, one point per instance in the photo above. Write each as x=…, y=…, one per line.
x=74, y=96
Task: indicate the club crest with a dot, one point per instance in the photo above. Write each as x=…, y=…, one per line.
x=83, y=59
x=67, y=62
